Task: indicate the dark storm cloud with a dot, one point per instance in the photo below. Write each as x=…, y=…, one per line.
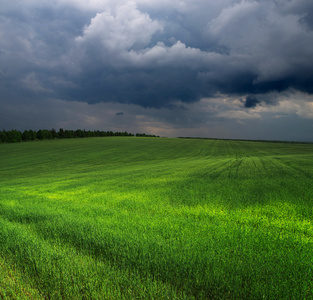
x=303, y=8
x=251, y=101
x=154, y=53
x=247, y=47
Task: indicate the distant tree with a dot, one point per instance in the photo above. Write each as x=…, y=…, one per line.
x=26, y=136
x=69, y=134
x=89, y=133
x=18, y=136
x=79, y=133
x=61, y=133
x=33, y=134
x=40, y=135
x=3, y=136
x=145, y=135
x=47, y=134
x=13, y=136
x=44, y=134
x=54, y=134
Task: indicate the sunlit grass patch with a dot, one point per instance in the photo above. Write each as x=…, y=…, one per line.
x=12, y=285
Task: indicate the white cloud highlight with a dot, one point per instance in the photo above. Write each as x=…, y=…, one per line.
x=120, y=29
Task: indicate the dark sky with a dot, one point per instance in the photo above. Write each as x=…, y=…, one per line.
x=227, y=68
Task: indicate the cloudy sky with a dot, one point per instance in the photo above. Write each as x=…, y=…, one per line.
x=207, y=68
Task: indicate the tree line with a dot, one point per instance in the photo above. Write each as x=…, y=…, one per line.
x=15, y=136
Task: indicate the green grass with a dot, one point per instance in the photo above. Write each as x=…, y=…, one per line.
x=145, y=218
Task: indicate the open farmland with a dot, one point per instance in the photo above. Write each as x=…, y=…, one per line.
x=148, y=218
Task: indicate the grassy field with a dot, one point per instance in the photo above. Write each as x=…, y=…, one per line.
x=148, y=218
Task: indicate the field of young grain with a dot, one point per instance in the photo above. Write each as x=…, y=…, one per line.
x=148, y=218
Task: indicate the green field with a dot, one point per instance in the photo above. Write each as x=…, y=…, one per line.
x=156, y=218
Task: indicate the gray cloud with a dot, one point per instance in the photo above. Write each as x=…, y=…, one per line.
x=155, y=54
x=251, y=101
x=245, y=48
x=238, y=47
